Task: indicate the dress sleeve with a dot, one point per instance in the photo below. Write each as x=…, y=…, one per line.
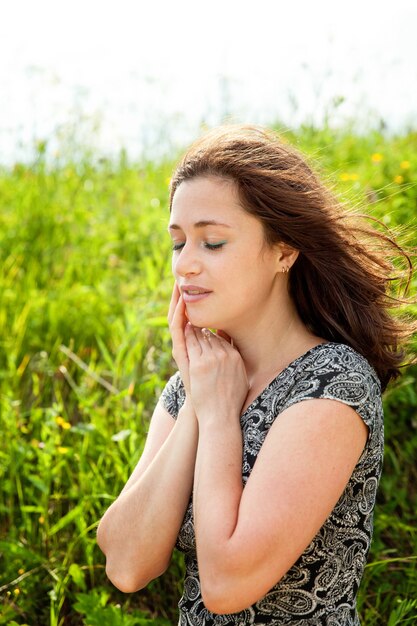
x=173, y=395
x=337, y=372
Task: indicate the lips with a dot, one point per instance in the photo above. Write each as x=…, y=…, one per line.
x=194, y=290
x=194, y=293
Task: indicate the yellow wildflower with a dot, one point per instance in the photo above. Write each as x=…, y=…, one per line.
x=63, y=423
x=20, y=571
x=34, y=443
x=16, y=591
x=399, y=179
x=62, y=450
x=41, y=520
x=377, y=157
x=405, y=165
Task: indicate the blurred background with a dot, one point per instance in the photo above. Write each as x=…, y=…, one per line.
x=97, y=100
x=146, y=76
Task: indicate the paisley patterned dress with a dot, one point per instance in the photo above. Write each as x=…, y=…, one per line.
x=320, y=588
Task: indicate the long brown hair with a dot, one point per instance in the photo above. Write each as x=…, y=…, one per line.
x=342, y=281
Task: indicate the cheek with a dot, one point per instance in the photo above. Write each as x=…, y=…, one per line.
x=259, y=278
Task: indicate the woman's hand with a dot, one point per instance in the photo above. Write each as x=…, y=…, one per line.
x=218, y=381
x=177, y=321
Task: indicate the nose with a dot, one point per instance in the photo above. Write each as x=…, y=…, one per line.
x=186, y=262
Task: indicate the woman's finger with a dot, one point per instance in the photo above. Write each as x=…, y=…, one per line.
x=173, y=303
x=193, y=343
x=221, y=333
x=177, y=325
x=178, y=316
x=220, y=342
x=226, y=337
x=205, y=336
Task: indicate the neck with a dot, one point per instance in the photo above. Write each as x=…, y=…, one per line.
x=271, y=345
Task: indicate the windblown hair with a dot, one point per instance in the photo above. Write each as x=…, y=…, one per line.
x=343, y=280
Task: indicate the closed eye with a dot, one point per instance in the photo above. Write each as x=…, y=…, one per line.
x=206, y=244
x=214, y=246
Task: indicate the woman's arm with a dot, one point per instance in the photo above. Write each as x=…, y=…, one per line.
x=247, y=539
x=138, y=532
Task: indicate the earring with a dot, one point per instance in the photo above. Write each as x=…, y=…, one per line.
x=285, y=269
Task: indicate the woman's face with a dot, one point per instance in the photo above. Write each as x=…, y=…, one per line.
x=225, y=271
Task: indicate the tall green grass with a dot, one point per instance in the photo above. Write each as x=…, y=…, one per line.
x=84, y=354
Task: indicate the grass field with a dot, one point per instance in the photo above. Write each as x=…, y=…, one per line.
x=85, y=352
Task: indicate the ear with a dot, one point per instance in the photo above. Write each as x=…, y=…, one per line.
x=286, y=256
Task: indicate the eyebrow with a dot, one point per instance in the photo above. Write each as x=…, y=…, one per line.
x=200, y=224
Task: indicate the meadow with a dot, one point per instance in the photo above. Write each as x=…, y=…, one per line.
x=85, y=351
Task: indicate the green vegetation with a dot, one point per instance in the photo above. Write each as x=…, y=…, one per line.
x=85, y=352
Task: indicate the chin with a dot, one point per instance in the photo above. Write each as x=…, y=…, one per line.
x=200, y=321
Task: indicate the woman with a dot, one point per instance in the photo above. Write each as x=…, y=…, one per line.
x=265, y=449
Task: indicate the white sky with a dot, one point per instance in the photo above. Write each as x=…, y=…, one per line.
x=151, y=71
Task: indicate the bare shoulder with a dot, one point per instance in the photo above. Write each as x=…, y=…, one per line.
x=310, y=453
x=302, y=469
